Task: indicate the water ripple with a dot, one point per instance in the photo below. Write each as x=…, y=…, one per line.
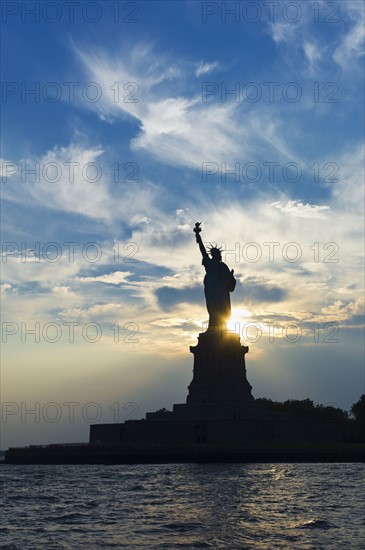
x=220, y=506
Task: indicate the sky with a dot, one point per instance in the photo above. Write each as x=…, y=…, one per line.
x=123, y=124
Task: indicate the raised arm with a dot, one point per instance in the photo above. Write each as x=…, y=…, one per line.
x=197, y=231
x=201, y=246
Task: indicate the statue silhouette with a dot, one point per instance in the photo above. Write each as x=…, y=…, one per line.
x=218, y=283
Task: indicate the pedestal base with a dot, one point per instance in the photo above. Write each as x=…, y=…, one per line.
x=219, y=369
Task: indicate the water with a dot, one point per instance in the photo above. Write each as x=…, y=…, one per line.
x=219, y=506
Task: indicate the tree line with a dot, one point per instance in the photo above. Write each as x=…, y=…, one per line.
x=352, y=422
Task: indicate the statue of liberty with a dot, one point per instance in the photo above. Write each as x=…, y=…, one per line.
x=218, y=283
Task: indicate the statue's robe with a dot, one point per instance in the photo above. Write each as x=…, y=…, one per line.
x=218, y=283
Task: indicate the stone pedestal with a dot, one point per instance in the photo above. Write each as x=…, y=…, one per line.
x=219, y=369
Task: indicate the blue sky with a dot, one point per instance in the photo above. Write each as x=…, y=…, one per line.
x=134, y=132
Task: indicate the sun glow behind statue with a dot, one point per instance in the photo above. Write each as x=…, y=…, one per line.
x=238, y=320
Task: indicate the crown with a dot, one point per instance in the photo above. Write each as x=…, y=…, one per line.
x=214, y=249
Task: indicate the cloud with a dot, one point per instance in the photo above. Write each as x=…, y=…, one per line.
x=168, y=322
x=63, y=291
x=282, y=32
x=7, y=168
x=301, y=210
x=346, y=311
x=254, y=290
x=166, y=245
x=314, y=54
x=4, y=287
x=348, y=190
x=97, y=312
x=169, y=297
x=205, y=68
x=114, y=278
x=180, y=129
x=351, y=45
x=69, y=179
x=78, y=180
x=344, y=46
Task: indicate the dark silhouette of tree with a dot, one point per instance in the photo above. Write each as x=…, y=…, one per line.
x=352, y=428
x=358, y=410
x=355, y=429
x=305, y=409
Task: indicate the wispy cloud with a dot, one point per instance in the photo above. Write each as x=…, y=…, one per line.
x=180, y=129
x=114, y=278
x=314, y=55
x=345, y=46
x=205, y=68
x=67, y=178
x=351, y=45
x=301, y=210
